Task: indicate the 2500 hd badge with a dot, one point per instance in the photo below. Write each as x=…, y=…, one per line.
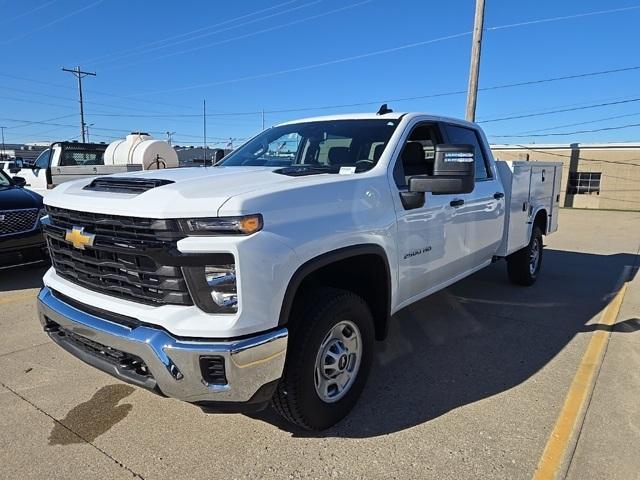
x=417, y=252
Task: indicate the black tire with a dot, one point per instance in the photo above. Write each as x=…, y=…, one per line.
x=296, y=398
x=519, y=264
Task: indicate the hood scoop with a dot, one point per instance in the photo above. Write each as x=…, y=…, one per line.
x=125, y=184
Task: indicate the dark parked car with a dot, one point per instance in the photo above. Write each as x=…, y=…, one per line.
x=21, y=239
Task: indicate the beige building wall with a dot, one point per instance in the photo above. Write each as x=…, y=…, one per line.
x=619, y=165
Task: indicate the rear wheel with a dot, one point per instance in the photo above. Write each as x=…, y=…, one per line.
x=524, y=265
x=328, y=359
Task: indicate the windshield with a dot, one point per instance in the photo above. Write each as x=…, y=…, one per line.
x=4, y=180
x=322, y=146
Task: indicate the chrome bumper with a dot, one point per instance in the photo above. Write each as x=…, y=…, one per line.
x=174, y=364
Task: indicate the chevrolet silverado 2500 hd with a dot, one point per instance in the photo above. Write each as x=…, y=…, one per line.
x=267, y=278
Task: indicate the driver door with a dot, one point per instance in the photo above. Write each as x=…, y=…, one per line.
x=431, y=238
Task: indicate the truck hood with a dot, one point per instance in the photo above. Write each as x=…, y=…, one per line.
x=15, y=198
x=195, y=192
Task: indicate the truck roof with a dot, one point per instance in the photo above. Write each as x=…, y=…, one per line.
x=375, y=116
x=81, y=146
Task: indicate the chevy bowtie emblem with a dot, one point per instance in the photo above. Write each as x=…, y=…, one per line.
x=78, y=238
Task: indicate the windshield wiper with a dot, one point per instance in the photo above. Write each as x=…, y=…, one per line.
x=302, y=170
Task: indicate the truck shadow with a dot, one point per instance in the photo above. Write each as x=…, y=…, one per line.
x=477, y=338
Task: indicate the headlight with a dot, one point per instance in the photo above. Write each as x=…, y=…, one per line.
x=245, y=225
x=222, y=280
x=214, y=287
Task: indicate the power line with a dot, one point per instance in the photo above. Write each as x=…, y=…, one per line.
x=28, y=12
x=604, y=129
x=551, y=112
x=94, y=92
x=308, y=67
x=584, y=159
x=217, y=32
x=371, y=54
x=52, y=22
x=547, y=129
x=35, y=122
x=565, y=17
x=46, y=95
x=127, y=52
x=247, y=35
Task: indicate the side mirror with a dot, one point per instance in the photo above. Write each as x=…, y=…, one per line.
x=19, y=181
x=14, y=169
x=453, y=171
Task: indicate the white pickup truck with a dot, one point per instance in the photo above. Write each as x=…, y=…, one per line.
x=268, y=278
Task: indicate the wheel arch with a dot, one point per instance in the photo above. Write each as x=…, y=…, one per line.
x=541, y=219
x=356, y=268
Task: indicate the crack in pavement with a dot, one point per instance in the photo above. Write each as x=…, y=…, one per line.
x=58, y=422
x=25, y=348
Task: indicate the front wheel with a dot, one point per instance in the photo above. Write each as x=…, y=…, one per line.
x=328, y=360
x=524, y=265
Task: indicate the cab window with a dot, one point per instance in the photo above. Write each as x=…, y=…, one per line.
x=418, y=153
x=43, y=159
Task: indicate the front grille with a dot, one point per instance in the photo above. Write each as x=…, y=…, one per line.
x=18, y=221
x=129, y=258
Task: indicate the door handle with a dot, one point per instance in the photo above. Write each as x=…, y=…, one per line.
x=457, y=202
x=498, y=195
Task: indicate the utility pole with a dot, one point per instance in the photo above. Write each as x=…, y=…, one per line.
x=169, y=135
x=204, y=125
x=263, y=119
x=87, y=129
x=79, y=74
x=474, y=69
x=4, y=152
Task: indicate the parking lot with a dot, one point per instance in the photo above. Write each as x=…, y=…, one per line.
x=470, y=384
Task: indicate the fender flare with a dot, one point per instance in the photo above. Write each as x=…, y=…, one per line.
x=541, y=208
x=328, y=258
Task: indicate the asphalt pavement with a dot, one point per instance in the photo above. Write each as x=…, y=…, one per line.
x=471, y=383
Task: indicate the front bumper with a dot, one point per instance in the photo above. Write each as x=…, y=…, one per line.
x=171, y=365
x=22, y=248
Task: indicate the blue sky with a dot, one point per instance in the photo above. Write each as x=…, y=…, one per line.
x=157, y=60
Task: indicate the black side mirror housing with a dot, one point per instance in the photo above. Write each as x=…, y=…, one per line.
x=453, y=171
x=19, y=181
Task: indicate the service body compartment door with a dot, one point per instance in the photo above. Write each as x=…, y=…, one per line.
x=541, y=190
x=516, y=180
x=555, y=209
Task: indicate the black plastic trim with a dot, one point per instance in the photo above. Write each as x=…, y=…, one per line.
x=63, y=340
x=124, y=320
x=324, y=260
x=131, y=185
x=259, y=401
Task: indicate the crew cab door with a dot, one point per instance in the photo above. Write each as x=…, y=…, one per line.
x=430, y=238
x=483, y=209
